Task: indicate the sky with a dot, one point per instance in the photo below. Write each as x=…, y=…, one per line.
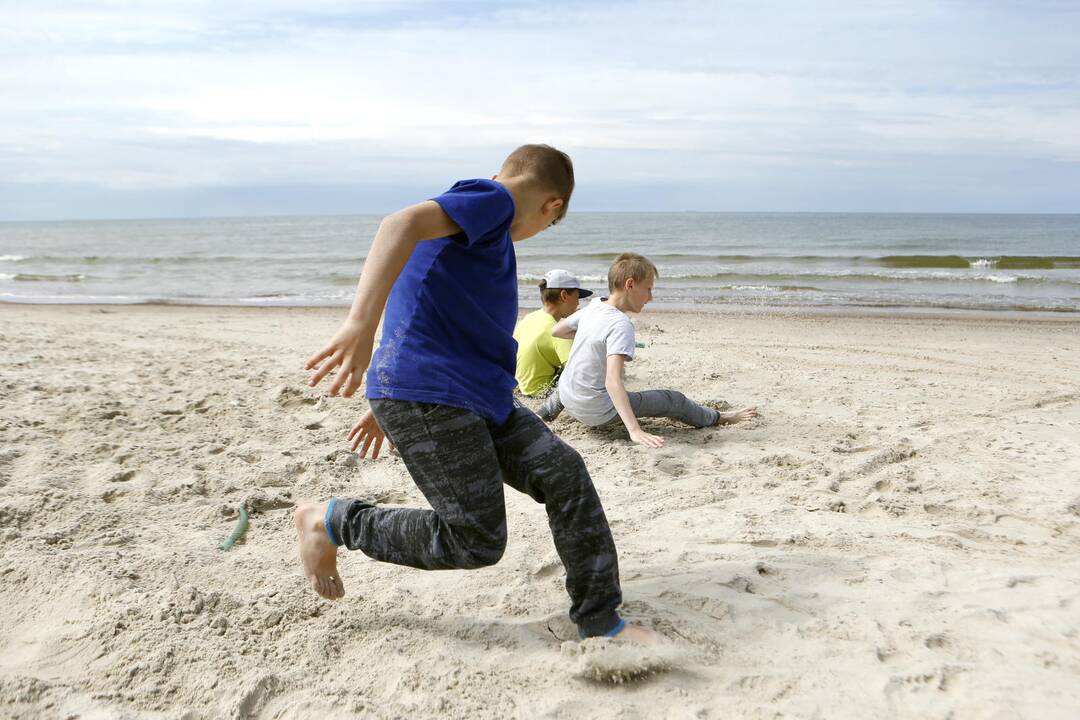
x=270, y=107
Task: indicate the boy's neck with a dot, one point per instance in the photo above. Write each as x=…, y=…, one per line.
x=618, y=300
x=524, y=197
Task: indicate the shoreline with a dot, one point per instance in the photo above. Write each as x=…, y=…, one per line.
x=839, y=312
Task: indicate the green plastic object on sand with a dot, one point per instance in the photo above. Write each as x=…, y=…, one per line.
x=639, y=344
x=238, y=531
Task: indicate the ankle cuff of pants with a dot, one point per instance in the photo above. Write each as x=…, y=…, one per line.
x=340, y=513
x=328, y=521
x=603, y=625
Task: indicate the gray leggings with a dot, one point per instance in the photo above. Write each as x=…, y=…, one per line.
x=650, y=404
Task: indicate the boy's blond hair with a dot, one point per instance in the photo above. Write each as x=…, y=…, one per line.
x=549, y=168
x=630, y=265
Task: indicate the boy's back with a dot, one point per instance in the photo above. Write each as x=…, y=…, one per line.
x=601, y=330
x=539, y=355
x=447, y=329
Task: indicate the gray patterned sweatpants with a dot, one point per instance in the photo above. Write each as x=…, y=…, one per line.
x=460, y=462
x=648, y=404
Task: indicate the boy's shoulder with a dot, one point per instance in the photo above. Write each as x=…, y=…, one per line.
x=536, y=319
x=607, y=315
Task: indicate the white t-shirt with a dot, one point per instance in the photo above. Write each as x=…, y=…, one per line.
x=602, y=330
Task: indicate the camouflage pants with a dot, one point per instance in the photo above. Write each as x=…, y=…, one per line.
x=460, y=462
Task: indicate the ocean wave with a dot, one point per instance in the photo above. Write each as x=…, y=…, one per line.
x=35, y=277
x=1004, y=262
x=320, y=260
x=533, y=278
x=842, y=276
x=952, y=261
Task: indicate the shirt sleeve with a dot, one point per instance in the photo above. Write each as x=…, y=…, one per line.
x=483, y=209
x=573, y=320
x=620, y=339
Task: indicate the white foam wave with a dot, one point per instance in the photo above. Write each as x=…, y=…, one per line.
x=12, y=258
x=584, y=279
x=6, y=276
x=984, y=263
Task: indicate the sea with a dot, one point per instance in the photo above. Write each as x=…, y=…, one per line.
x=707, y=261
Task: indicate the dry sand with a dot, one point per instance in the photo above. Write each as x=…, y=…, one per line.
x=898, y=536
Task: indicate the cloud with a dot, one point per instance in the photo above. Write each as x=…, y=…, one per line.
x=164, y=97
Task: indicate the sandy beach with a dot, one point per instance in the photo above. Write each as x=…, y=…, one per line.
x=897, y=536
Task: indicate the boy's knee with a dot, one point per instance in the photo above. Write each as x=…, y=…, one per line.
x=485, y=551
x=566, y=459
x=676, y=399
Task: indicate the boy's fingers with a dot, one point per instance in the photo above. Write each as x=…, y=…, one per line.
x=317, y=357
x=378, y=447
x=356, y=440
x=328, y=365
x=355, y=381
x=339, y=380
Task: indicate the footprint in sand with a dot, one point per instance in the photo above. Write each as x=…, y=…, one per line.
x=547, y=569
x=390, y=497
x=673, y=466
x=290, y=398
x=898, y=453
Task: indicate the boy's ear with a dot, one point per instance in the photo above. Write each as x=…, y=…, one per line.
x=553, y=204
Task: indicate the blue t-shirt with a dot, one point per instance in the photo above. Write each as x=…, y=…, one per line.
x=448, y=329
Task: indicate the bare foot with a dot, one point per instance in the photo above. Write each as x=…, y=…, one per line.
x=317, y=554
x=737, y=416
x=639, y=634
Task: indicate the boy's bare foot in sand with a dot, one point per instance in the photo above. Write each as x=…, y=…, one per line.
x=737, y=416
x=317, y=554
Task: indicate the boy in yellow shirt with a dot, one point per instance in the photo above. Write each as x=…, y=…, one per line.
x=540, y=357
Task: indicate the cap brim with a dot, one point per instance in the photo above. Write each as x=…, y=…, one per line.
x=583, y=293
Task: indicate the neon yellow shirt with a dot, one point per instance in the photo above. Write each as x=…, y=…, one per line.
x=539, y=355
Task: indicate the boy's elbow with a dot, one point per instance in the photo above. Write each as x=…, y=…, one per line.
x=394, y=222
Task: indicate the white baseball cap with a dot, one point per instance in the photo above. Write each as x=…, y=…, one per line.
x=563, y=280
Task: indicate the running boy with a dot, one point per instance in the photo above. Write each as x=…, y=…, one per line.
x=439, y=387
x=591, y=387
x=540, y=357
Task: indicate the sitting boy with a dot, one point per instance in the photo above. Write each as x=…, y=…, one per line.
x=540, y=357
x=591, y=387
x=440, y=388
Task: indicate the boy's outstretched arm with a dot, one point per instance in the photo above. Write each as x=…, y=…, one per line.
x=564, y=330
x=613, y=382
x=351, y=346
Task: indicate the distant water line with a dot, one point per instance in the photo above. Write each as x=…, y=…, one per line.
x=706, y=260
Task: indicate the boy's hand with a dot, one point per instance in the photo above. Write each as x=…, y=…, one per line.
x=367, y=431
x=643, y=438
x=350, y=349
